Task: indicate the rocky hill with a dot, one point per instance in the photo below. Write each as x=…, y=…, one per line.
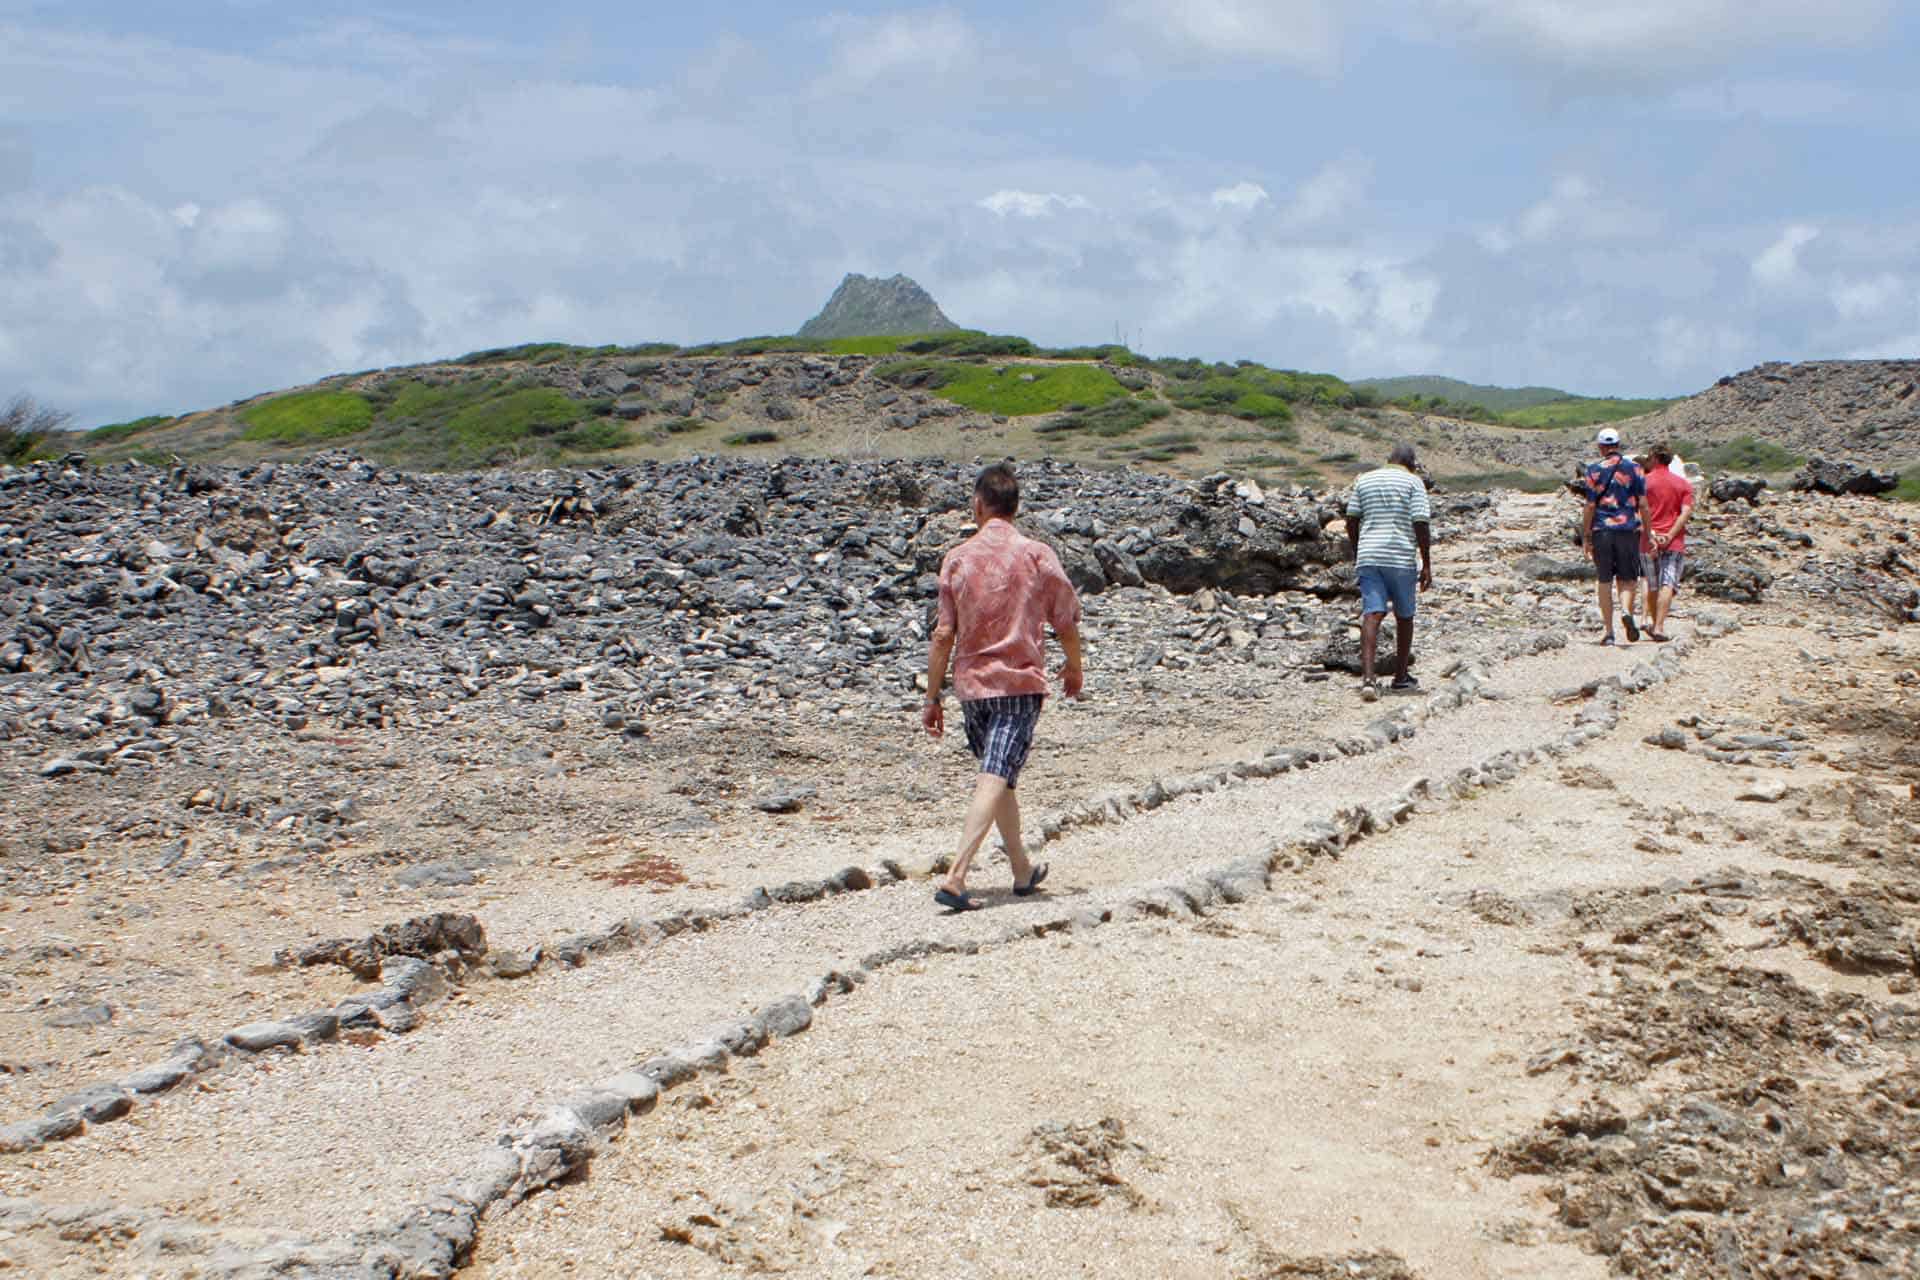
x=1868, y=410
x=863, y=306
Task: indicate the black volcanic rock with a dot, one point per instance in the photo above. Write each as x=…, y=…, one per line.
x=863, y=306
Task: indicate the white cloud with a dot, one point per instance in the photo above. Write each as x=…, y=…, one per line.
x=1329, y=193
x=1866, y=299
x=935, y=42
x=1779, y=262
x=1031, y=204
x=1298, y=33
x=1904, y=347
x=1241, y=195
x=1636, y=37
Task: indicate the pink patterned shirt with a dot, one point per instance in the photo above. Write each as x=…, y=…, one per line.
x=998, y=591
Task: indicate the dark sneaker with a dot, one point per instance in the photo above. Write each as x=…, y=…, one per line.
x=1607, y=640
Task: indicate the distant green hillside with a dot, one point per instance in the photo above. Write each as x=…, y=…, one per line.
x=1498, y=399
x=1507, y=406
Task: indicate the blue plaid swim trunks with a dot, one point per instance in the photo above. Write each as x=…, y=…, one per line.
x=1000, y=732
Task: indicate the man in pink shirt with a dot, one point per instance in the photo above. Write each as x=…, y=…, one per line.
x=1664, y=540
x=998, y=593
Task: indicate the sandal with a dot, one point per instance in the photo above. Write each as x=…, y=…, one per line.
x=954, y=901
x=1633, y=628
x=1032, y=886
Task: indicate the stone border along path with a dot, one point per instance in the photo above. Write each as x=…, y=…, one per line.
x=435, y=1238
x=408, y=984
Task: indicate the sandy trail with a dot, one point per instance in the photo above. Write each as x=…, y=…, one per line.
x=1316, y=1072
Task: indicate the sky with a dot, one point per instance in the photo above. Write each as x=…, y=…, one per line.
x=201, y=200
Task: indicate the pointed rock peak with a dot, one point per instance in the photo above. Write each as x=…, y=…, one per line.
x=863, y=306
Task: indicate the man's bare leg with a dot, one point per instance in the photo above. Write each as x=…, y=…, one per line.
x=1662, y=605
x=1630, y=595
x=1606, y=606
x=1007, y=818
x=1402, y=646
x=988, y=791
x=1369, y=643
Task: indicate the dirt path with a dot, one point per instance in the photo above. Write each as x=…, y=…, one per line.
x=1328, y=1071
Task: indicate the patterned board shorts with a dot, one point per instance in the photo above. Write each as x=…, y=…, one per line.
x=1664, y=568
x=1000, y=732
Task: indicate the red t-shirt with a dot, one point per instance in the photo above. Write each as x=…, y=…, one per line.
x=998, y=593
x=1668, y=494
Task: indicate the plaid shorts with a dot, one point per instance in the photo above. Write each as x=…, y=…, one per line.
x=1000, y=732
x=1664, y=568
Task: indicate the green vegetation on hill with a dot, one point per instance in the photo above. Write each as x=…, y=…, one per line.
x=476, y=419
x=1909, y=489
x=121, y=430
x=1497, y=399
x=1015, y=390
x=1743, y=454
x=539, y=353
x=1505, y=406
x=1108, y=421
x=1582, y=411
x=305, y=417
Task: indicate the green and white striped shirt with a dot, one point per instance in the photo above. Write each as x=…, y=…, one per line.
x=1389, y=502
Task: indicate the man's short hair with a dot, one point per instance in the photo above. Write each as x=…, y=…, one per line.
x=998, y=490
x=1402, y=455
x=1661, y=452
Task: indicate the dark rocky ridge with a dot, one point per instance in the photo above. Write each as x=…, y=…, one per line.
x=1865, y=409
x=864, y=305
x=142, y=599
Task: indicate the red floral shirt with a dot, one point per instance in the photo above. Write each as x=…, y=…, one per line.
x=999, y=591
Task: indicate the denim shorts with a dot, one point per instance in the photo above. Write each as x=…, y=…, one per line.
x=1383, y=584
x=1000, y=732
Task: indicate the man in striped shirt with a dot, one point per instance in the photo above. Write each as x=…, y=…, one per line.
x=1388, y=526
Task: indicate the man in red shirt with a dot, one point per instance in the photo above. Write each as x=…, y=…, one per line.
x=998, y=592
x=1664, y=541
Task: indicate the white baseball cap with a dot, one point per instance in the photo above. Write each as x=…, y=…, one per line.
x=1607, y=436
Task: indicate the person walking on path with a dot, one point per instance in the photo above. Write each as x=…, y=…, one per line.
x=1663, y=540
x=1610, y=523
x=1389, y=523
x=998, y=591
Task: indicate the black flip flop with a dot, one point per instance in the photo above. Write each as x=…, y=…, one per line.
x=1032, y=886
x=1633, y=628
x=954, y=901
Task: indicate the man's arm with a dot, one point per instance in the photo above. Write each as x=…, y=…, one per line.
x=1586, y=525
x=1353, y=537
x=933, y=712
x=1423, y=534
x=1073, y=676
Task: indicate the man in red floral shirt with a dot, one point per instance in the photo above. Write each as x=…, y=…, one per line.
x=998, y=593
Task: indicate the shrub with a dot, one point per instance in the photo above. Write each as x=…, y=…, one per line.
x=1742, y=454
x=121, y=430
x=543, y=353
x=1580, y=411
x=489, y=423
x=24, y=426
x=1016, y=390
x=752, y=437
x=598, y=435
x=306, y=416
x=680, y=426
x=1115, y=418
x=1909, y=487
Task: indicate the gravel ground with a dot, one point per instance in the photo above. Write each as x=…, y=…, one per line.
x=1271, y=1070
